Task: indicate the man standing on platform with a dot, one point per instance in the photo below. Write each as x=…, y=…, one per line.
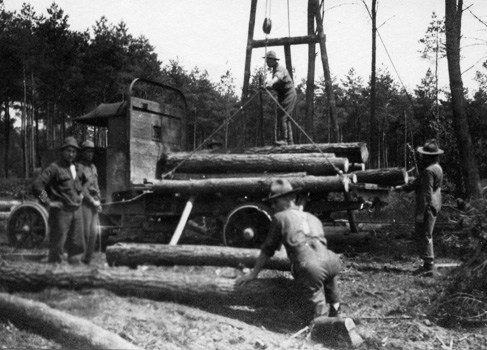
x=91, y=205
x=59, y=187
x=282, y=83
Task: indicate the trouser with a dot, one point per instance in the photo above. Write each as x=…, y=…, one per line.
x=423, y=235
x=317, y=275
x=90, y=227
x=287, y=103
x=65, y=231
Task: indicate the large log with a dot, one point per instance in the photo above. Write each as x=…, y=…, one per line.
x=183, y=285
x=312, y=164
x=356, y=152
x=190, y=176
x=384, y=176
x=135, y=254
x=252, y=186
x=68, y=330
x=123, y=254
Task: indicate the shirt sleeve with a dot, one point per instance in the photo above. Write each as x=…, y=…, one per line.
x=274, y=238
x=43, y=180
x=427, y=187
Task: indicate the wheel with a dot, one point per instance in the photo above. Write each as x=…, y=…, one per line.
x=247, y=226
x=27, y=226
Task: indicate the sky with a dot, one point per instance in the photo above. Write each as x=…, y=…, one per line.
x=212, y=34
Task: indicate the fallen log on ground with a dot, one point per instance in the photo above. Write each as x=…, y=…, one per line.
x=161, y=284
x=384, y=176
x=126, y=254
x=356, y=152
x=68, y=330
x=252, y=185
x=312, y=164
x=135, y=254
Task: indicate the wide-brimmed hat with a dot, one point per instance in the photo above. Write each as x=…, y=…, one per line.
x=430, y=148
x=271, y=54
x=70, y=142
x=280, y=188
x=87, y=145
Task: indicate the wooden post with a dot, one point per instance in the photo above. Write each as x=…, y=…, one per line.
x=182, y=222
x=310, y=84
x=326, y=70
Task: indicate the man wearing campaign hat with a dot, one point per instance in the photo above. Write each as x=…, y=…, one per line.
x=428, y=203
x=59, y=188
x=282, y=83
x=91, y=204
x=314, y=267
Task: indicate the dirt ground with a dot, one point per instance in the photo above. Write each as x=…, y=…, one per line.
x=389, y=305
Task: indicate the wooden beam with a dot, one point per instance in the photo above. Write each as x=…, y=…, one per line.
x=297, y=40
x=182, y=221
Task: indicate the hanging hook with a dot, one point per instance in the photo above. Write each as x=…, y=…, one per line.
x=267, y=26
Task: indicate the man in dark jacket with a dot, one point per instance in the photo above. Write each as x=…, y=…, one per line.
x=314, y=267
x=282, y=83
x=91, y=204
x=427, y=187
x=59, y=187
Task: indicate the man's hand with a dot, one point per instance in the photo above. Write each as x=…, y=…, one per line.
x=244, y=279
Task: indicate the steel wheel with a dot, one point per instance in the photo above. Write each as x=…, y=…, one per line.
x=27, y=226
x=247, y=226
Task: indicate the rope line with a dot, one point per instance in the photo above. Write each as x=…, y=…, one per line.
x=211, y=135
x=338, y=171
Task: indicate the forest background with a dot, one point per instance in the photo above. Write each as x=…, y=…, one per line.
x=50, y=74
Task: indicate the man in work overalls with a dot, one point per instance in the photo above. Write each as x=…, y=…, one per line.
x=427, y=187
x=283, y=84
x=91, y=204
x=314, y=267
x=59, y=187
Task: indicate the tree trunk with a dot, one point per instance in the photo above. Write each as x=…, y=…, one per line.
x=310, y=83
x=453, y=24
x=68, y=330
x=384, y=177
x=252, y=186
x=132, y=255
x=183, y=285
x=372, y=118
x=313, y=164
x=356, y=152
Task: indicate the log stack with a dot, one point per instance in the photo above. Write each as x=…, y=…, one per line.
x=314, y=167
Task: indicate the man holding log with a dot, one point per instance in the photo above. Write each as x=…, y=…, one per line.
x=282, y=83
x=59, y=187
x=314, y=267
x=427, y=187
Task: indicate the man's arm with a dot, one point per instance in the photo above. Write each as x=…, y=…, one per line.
x=427, y=184
x=259, y=265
